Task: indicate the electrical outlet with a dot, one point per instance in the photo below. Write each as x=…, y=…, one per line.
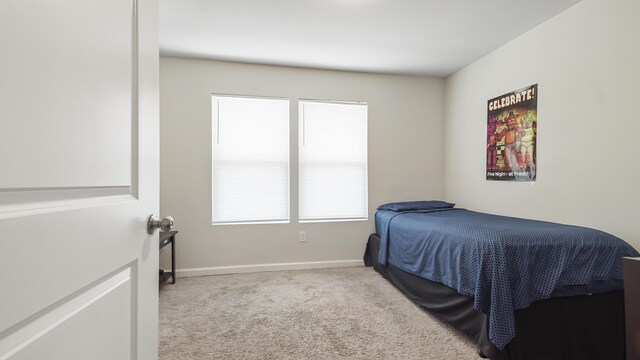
x=303, y=236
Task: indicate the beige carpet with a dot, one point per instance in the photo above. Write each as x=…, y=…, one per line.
x=348, y=313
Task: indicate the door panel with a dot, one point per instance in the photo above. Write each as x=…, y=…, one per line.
x=54, y=328
x=73, y=64
x=79, y=160
x=67, y=252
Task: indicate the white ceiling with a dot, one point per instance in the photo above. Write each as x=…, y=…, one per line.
x=419, y=37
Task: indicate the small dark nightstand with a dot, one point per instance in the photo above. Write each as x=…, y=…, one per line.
x=166, y=238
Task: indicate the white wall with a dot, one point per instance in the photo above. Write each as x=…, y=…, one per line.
x=405, y=158
x=587, y=64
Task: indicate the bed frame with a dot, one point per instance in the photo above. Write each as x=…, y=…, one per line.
x=572, y=327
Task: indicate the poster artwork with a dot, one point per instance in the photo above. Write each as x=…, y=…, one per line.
x=511, y=135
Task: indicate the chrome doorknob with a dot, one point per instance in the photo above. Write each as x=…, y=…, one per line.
x=166, y=224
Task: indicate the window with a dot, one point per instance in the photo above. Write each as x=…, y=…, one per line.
x=332, y=161
x=250, y=160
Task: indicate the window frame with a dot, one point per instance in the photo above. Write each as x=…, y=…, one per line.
x=215, y=133
x=301, y=140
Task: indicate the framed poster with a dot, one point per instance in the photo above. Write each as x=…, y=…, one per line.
x=512, y=123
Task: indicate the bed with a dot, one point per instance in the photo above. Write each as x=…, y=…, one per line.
x=522, y=289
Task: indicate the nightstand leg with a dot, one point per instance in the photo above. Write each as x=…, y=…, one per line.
x=173, y=260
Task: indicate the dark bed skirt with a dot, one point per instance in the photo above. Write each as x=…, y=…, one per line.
x=572, y=327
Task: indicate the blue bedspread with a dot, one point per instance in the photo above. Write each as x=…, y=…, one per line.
x=504, y=263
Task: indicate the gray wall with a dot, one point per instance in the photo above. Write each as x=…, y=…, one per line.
x=587, y=63
x=405, y=160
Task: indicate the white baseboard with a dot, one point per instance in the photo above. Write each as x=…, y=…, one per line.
x=220, y=270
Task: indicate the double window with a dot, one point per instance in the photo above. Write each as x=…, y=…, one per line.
x=250, y=160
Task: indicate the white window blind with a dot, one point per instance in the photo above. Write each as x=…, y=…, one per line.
x=250, y=160
x=332, y=161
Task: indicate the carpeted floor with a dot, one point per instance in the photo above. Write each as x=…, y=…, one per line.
x=347, y=313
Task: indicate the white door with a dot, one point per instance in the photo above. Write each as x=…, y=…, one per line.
x=78, y=179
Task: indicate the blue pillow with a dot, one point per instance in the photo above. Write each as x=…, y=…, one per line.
x=416, y=205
